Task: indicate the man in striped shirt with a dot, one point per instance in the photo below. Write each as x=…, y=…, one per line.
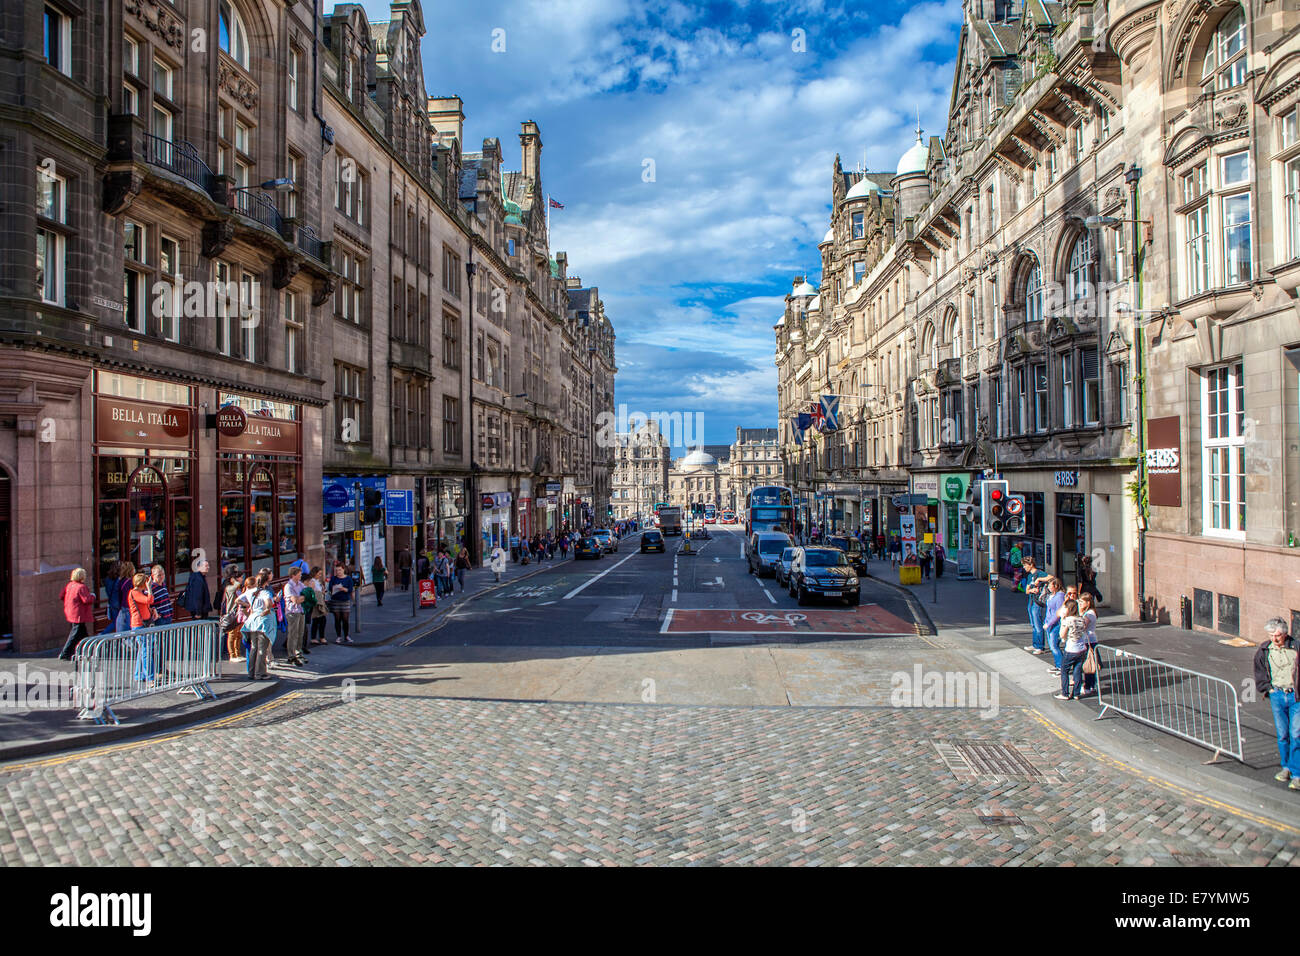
x=162, y=599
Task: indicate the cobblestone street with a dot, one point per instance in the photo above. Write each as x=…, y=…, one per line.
x=314, y=778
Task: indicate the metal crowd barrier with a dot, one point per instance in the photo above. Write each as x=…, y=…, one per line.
x=1182, y=702
x=113, y=669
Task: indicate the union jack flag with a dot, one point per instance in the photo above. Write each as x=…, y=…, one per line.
x=817, y=416
x=556, y=204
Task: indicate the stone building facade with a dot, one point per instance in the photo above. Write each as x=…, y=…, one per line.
x=237, y=283
x=980, y=308
x=640, y=472
x=754, y=459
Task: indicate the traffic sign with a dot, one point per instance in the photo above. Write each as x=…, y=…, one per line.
x=358, y=535
x=399, y=508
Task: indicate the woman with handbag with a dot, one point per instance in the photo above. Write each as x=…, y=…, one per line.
x=1092, y=661
x=1074, y=632
x=140, y=606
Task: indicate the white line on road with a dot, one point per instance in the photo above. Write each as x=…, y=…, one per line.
x=769, y=595
x=506, y=610
x=668, y=619
x=674, y=597
x=544, y=603
x=584, y=585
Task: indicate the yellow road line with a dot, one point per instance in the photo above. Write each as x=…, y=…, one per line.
x=1105, y=758
x=149, y=741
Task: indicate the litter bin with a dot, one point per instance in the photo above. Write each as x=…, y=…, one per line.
x=909, y=574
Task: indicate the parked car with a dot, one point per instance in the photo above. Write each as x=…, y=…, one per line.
x=587, y=547
x=763, y=551
x=822, y=572
x=652, y=541
x=853, y=548
x=783, y=566
x=607, y=540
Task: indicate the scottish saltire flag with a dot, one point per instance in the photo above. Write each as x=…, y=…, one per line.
x=830, y=407
x=798, y=432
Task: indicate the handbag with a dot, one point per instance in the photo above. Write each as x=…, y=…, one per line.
x=1090, y=662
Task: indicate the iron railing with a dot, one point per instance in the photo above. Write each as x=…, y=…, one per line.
x=311, y=243
x=1182, y=702
x=258, y=208
x=123, y=667
x=182, y=159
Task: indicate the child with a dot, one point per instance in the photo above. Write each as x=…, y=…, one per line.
x=1074, y=632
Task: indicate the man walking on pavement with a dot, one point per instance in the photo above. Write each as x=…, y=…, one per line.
x=1276, y=664
x=294, y=617
x=404, y=567
x=1036, y=587
x=196, y=599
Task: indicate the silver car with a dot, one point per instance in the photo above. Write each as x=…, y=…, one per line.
x=783, y=566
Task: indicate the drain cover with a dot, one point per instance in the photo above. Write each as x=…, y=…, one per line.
x=984, y=759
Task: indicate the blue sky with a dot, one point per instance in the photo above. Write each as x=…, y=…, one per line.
x=742, y=130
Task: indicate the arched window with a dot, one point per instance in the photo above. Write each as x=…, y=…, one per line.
x=232, y=33
x=1034, y=293
x=950, y=334
x=930, y=345
x=1079, y=280
x=1225, y=58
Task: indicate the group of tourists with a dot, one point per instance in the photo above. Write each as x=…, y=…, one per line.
x=254, y=613
x=1064, y=622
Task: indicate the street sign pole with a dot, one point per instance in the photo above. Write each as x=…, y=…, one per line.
x=415, y=581
x=993, y=585
x=357, y=537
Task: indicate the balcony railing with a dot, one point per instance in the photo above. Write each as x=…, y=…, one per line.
x=258, y=208
x=311, y=243
x=181, y=159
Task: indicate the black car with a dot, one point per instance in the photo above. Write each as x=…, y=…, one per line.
x=852, y=547
x=652, y=541
x=823, y=572
x=587, y=547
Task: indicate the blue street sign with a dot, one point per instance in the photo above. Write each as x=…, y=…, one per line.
x=399, y=508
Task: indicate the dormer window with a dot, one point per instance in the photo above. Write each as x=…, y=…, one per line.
x=232, y=35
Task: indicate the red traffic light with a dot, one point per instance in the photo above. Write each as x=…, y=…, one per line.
x=995, y=494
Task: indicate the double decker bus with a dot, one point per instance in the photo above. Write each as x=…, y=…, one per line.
x=769, y=508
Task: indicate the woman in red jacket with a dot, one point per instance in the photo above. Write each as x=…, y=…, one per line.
x=79, y=609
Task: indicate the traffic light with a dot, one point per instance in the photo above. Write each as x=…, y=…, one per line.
x=374, y=500
x=1015, y=523
x=993, y=506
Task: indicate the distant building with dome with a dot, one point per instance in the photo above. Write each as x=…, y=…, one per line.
x=699, y=477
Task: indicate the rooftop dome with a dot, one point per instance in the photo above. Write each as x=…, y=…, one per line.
x=829, y=237
x=803, y=288
x=699, y=460
x=915, y=159
x=815, y=304
x=780, y=322
x=863, y=188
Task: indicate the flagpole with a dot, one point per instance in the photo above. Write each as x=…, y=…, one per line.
x=548, y=218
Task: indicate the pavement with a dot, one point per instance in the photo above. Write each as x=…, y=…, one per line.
x=654, y=708
x=35, y=718
x=958, y=611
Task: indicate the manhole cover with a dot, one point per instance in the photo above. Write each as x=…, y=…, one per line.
x=981, y=759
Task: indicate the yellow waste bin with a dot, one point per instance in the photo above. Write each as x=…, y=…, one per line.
x=909, y=574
